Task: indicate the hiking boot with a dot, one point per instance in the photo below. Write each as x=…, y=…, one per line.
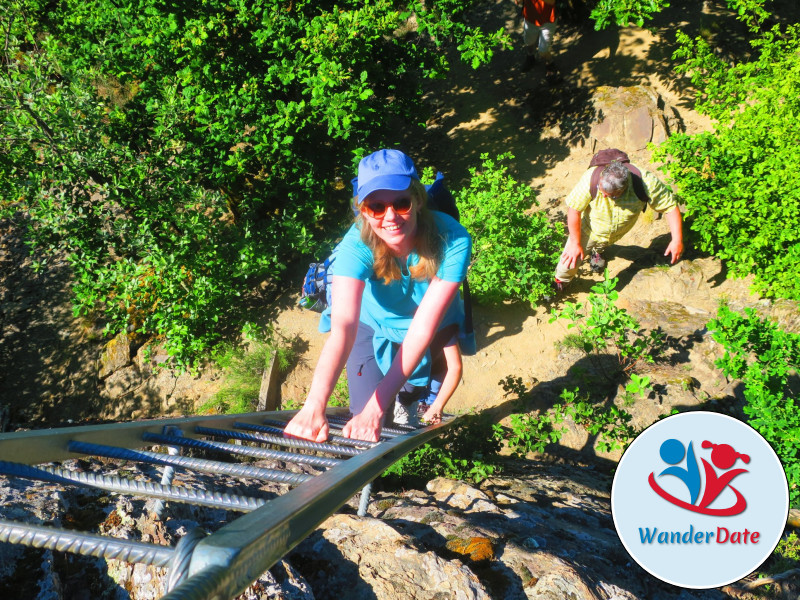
x=529, y=63
x=552, y=74
x=597, y=263
x=558, y=287
x=406, y=414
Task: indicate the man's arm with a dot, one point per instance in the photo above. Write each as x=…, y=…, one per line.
x=573, y=251
x=675, y=248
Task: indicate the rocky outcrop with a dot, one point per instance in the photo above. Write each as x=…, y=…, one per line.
x=542, y=530
x=630, y=118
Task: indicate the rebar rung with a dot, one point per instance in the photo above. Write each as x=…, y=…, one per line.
x=280, y=441
x=85, y=544
x=127, y=486
x=196, y=464
x=214, y=446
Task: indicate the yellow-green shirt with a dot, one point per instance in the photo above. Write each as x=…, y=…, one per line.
x=608, y=219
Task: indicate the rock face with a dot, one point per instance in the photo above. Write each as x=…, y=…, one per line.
x=539, y=532
x=542, y=531
x=628, y=118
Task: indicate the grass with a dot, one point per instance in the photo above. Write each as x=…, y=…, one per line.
x=243, y=369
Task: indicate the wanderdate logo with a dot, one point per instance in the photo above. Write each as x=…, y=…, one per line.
x=699, y=499
x=723, y=457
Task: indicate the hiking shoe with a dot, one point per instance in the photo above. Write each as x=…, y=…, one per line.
x=406, y=414
x=597, y=263
x=558, y=287
x=529, y=63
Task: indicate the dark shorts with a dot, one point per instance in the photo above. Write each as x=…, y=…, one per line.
x=364, y=375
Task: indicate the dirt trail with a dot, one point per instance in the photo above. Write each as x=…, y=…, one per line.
x=499, y=109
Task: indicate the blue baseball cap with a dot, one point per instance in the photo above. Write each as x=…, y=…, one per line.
x=384, y=170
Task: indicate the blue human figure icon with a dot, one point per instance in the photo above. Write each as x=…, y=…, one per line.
x=672, y=453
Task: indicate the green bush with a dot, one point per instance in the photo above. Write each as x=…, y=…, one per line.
x=740, y=182
x=625, y=12
x=533, y=432
x=602, y=327
x=514, y=250
x=181, y=154
x=636, y=12
x=468, y=450
x=764, y=356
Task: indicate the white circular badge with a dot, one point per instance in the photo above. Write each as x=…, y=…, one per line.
x=699, y=499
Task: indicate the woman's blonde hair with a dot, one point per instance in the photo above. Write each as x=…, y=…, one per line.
x=427, y=243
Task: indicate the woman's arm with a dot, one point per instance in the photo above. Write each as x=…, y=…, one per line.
x=452, y=378
x=310, y=422
x=367, y=424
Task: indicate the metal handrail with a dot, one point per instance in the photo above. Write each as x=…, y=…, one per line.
x=51, y=445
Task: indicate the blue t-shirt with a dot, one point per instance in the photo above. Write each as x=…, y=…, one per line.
x=389, y=308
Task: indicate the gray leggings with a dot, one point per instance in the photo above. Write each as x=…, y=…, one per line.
x=364, y=375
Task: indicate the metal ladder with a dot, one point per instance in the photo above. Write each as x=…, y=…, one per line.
x=224, y=563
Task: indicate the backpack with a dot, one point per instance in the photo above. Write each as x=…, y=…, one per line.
x=316, y=293
x=606, y=157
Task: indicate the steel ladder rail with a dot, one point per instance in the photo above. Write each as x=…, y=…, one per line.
x=222, y=565
x=204, y=566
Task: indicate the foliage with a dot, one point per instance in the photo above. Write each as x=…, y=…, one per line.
x=786, y=555
x=637, y=386
x=468, y=450
x=751, y=12
x=514, y=250
x=739, y=181
x=602, y=326
x=611, y=425
x=243, y=369
x=534, y=432
x=341, y=393
x=625, y=12
x=764, y=356
x=180, y=154
x=636, y=12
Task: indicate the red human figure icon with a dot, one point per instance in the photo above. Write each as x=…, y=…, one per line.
x=724, y=457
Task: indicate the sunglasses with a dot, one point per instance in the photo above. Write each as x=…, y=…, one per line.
x=401, y=206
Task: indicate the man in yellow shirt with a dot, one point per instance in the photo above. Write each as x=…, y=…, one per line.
x=594, y=223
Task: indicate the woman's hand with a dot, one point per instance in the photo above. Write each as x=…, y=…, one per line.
x=308, y=424
x=365, y=426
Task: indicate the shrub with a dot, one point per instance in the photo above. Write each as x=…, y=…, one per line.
x=625, y=12
x=763, y=356
x=604, y=327
x=243, y=369
x=740, y=182
x=534, y=432
x=468, y=450
x=514, y=250
x=181, y=154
